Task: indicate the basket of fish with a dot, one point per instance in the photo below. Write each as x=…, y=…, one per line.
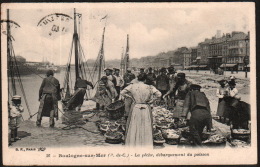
x=215, y=141
x=158, y=139
x=104, y=126
x=171, y=136
x=185, y=132
x=113, y=137
x=121, y=123
x=240, y=134
x=116, y=110
x=239, y=143
x=163, y=125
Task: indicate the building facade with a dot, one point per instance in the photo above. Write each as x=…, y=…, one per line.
x=186, y=59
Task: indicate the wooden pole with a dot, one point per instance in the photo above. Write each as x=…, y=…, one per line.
x=75, y=38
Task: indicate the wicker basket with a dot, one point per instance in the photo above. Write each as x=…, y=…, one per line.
x=214, y=144
x=113, y=141
x=173, y=141
x=116, y=110
x=241, y=136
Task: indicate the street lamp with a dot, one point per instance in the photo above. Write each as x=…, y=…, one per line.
x=246, y=58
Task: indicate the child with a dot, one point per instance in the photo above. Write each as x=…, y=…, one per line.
x=15, y=116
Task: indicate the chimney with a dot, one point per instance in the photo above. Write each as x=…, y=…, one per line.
x=218, y=35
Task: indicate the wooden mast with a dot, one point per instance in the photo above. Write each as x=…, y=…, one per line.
x=75, y=38
x=122, y=68
x=127, y=54
x=101, y=55
x=9, y=54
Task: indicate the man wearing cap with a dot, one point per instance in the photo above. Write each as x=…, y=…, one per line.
x=128, y=77
x=78, y=97
x=198, y=105
x=150, y=77
x=162, y=82
x=181, y=88
x=106, y=93
x=119, y=82
x=15, y=115
x=49, y=95
x=109, y=75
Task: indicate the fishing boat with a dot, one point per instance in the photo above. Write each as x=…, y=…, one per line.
x=73, y=115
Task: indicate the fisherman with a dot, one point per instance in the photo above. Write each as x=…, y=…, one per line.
x=49, y=95
x=80, y=90
x=198, y=105
x=142, y=71
x=182, y=87
x=169, y=96
x=15, y=115
x=119, y=82
x=109, y=75
x=128, y=77
x=106, y=93
x=162, y=82
x=150, y=77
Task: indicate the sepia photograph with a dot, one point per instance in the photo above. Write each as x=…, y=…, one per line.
x=128, y=83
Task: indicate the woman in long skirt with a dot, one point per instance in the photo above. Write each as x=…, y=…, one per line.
x=222, y=110
x=139, y=132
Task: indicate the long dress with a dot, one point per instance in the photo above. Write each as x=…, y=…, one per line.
x=139, y=131
x=222, y=105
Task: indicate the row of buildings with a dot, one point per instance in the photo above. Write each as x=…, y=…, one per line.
x=228, y=51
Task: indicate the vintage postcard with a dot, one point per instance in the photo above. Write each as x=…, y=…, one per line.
x=128, y=83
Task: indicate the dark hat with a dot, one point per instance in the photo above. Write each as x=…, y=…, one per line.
x=171, y=69
x=49, y=72
x=195, y=87
x=104, y=78
x=116, y=69
x=163, y=69
x=181, y=75
x=108, y=69
x=141, y=77
x=141, y=68
x=231, y=83
x=150, y=68
x=222, y=81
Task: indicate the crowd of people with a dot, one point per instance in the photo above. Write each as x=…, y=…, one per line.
x=167, y=88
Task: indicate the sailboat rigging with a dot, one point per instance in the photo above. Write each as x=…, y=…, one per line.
x=13, y=69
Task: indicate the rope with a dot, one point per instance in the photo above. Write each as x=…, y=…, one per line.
x=20, y=81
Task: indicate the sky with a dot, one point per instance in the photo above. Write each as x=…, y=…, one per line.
x=152, y=28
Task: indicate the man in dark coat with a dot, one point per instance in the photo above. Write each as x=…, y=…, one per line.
x=49, y=95
x=78, y=97
x=197, y=103
x=128, y=77
x=162, y=82
x=150, y=77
